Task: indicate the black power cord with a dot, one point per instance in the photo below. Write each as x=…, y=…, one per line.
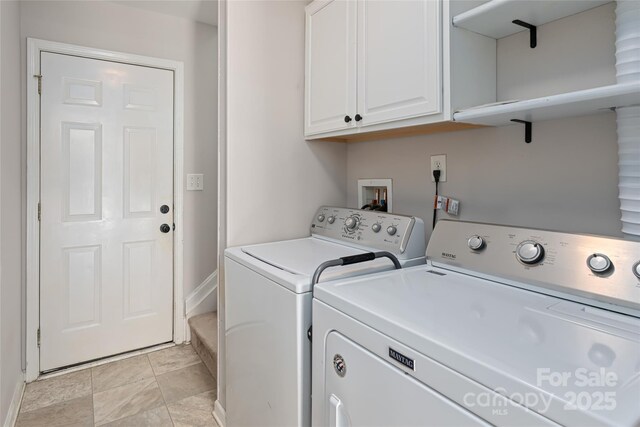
x=436, y=177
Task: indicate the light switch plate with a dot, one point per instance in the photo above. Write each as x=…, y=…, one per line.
x=195, y=182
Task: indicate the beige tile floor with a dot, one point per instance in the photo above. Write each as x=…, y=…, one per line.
x=169, y=387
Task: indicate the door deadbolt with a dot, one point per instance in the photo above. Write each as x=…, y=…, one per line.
x=164, y=209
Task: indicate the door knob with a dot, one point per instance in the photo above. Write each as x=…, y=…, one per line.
x=164, y=209
x=165, y=228
x=347, y=119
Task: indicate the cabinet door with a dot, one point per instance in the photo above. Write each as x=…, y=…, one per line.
x=399, y=59
x=330, y=65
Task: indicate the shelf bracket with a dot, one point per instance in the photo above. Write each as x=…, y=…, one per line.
x=533, y=32
x=527, y=129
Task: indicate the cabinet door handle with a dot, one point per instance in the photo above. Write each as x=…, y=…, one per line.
x=347, y=119
x=358, y=117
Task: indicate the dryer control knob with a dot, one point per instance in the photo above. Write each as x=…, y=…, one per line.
x=321, y=218
x=530, y=252
x=599, y=263
x=476, y=243
x=331, y=219
x=376, y=227
x=636, y=269
x=351, y=223
x=392, y=230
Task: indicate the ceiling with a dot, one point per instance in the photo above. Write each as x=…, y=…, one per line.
x=205, y=11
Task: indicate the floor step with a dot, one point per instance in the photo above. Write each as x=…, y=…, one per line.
x=204, y=339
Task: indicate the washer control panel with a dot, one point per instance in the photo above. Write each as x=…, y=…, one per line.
x=603, y=269
x=404, y=236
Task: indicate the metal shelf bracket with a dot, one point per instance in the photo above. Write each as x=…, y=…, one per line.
x=527, y=129
x=533, y=32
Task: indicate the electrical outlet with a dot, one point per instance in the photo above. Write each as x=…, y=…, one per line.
x=439, y=162
x=195, y=182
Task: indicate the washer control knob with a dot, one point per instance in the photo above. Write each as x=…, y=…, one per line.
x=331, y=219
x=636, y=269
x=376, y=227
x=476, y=243
x=351, y=223
x=530, y=252
x=392, y=230
x=320, y=217
x=599, y=263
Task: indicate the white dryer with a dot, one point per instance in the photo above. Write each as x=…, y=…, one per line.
x=504, y=326
x=268, y=298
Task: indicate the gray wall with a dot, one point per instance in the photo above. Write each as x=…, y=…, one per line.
x=116, y=27
x=269, y=164
x=11, y=203
x=577, y=52
x=566, y=179
x=274, y=179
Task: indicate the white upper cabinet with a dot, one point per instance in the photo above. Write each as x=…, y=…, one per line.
x=372, y=64
x=398, y=60
x=330, y=66
x=389, y=67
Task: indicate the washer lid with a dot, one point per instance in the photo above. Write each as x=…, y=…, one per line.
x=301, y=256
x=520, y=343
x=291, y=263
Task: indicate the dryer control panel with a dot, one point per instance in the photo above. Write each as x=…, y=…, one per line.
x=589, y=268
x=404, y=236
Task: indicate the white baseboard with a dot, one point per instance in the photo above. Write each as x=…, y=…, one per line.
x=202, y=299
x=219, y=414
x=14, y=408
x=199, y=294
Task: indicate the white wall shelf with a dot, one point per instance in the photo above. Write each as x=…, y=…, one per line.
x=494, y=18
x=578, y=103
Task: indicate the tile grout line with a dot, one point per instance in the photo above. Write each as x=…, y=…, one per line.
x=21, y=409
x=134, y=382
x=93, y=405
x=155, y=377
x=162, y=393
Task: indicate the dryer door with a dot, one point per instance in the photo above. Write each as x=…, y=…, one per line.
x=364, y=390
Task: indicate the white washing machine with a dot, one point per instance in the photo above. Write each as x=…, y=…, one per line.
x=503, y=326
x=268, y=306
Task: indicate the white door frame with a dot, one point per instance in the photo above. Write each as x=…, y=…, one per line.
x=34, y=48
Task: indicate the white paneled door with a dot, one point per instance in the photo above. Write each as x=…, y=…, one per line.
x=106, y=273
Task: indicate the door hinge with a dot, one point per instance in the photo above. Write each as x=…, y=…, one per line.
x=39, y=211
x=39, y=77
x=38, y=337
